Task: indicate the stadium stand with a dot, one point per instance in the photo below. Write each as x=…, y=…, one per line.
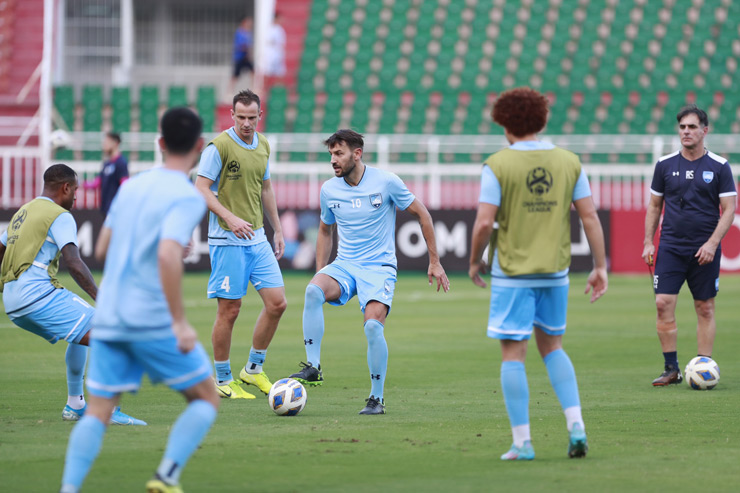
x=435, y=66
x=607, y=66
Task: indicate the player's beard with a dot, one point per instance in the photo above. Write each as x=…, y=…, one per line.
x=345, y=172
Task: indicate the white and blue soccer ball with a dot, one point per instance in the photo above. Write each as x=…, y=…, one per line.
x=702, y=373
x=287, y=397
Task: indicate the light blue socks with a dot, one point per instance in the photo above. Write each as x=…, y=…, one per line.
x=75, y=357
x=83, y=447
x=377, y=356
x=223, y=371
x=256, y=360
x=516, y=392
x=186, y=434
x=563, y=378
x=313, y=323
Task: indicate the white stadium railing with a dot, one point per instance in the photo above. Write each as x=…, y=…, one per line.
x=439, y=185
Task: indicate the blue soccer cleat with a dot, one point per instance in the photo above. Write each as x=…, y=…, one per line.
x=578, y=445
x=123, y=419
x=525, y=452
x=69, y=414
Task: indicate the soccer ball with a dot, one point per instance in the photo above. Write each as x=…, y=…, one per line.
x=287, y=397
x=702, y=373
x=60, y=139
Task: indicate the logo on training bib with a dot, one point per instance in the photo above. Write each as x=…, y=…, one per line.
x=708, y=176
x=233, y=167
x=539, y=181
x=18, y=219
x=376, y=200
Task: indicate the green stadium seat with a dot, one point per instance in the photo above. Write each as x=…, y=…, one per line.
x=177, y=96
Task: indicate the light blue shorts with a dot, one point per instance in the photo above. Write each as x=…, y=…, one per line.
x=370, y=282
x=514, y=311
x=65, y=316
x=118, y=366
x=234, y=267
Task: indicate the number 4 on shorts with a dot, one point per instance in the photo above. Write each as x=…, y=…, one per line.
x=225, y=285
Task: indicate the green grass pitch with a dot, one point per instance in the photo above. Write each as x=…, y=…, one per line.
x=446, y=424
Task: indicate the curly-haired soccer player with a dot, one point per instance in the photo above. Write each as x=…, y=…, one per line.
x=528, y=189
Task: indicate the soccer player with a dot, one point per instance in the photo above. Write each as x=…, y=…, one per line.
x=693, y=184
x=234, y=176
x=528, y=189
x=114, y=172
x=39, y=234
x=140, y=324
x=361, y=201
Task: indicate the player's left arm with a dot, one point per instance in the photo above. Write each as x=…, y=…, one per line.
x=79, y=270
x=705, y=254
x=436, y=271
x=597, y=279
x=101, y=246
x=270, y=206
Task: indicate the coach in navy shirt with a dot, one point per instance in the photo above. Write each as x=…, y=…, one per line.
x=694, y=184
x=113, y=173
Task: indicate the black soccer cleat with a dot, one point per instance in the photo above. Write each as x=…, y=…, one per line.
x=373, y=406
x=671, y=375
x=309, y=375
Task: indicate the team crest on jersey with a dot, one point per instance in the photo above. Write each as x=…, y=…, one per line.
x=376, y=200
x=708, y=176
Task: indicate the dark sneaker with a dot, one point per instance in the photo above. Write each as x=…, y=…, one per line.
x=373, y=406
x=669, y=376
x=309, y=375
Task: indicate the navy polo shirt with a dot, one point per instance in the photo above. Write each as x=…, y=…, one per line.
x=113, y=172
x=691, y=192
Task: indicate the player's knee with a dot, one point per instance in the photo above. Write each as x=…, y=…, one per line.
x=277, y=306
x=664, y=306
x=704, y=309
x=373, y=329
x=229, y=310
x=314, y=295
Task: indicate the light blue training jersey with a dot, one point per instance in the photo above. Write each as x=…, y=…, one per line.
x=365, y=215
x=153, y=206
x=210, y=167
x=490, y=193
x=27, y=293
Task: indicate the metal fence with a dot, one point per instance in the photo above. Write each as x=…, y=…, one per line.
x=438, y=184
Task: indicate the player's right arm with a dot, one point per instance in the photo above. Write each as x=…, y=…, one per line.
x=324, y=244
x=208, y=169
x=482, y=229
x=652, y=217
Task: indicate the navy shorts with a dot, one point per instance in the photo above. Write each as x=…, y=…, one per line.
x=674, y=265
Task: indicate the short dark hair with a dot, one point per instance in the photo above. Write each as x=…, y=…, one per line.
x=521, y=111
x=246, y=98
x=57, y=175
x=695, y=110
x=350, y=137
x=181, y=128
x=114, y=136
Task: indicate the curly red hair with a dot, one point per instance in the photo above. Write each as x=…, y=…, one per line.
x=521, y=111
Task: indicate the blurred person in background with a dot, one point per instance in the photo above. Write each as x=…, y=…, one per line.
x=113, y=173
x=242, y=54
